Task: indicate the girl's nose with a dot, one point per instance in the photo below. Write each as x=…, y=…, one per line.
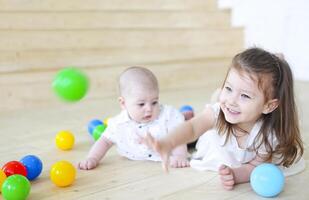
x=232, y=99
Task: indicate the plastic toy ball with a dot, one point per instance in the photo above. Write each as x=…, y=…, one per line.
x=16, y=187
x=97, y=132
x=2, y=178
x=185, y=108
x=33, y=165
x=65, y=140
x=14, y=167
x=106, y=121
x=187, y=112
x=93, y=124
x=267, y=180
x=62, y=173
x=70, y=84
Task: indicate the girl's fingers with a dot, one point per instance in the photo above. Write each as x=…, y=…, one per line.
x=224, y=170
x=227, y=177
x=165, y=162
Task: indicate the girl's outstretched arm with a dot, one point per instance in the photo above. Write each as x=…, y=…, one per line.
x=186, y=132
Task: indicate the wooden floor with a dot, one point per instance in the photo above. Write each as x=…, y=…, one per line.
x=33, y=131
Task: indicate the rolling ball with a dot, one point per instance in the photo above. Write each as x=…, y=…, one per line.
x=267, y=180
x=70, y=84
x=16, y=187
x=65, y=140
x=14, y=167
x=62, y=173
x=33, y=165
x=93, y=124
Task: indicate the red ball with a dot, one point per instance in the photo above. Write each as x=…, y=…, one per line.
x=14, y=167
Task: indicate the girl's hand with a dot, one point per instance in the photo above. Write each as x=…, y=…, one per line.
x=227, y=177
x=163, y=148
x=88, y=164
x=179, y=162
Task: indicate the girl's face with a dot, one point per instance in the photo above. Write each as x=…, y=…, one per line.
x=142, y=105
x=241, y=100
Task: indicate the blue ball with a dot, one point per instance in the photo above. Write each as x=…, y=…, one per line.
x=93, y=124
x=186, y=108
x=33, y=165
x=267, y=180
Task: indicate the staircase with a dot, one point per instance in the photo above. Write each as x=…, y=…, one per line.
x=177, y=39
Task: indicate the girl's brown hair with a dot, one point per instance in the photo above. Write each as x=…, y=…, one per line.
x=275, y=79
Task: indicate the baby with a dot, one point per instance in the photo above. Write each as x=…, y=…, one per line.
x=141, y=114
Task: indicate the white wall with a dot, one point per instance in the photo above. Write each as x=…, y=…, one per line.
x=276, y=25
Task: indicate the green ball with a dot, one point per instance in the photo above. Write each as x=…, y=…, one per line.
x=97, y=132
x=70, y=84
x=16, y=187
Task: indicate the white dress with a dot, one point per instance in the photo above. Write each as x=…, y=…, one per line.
x=212, y=152
x=125, y=133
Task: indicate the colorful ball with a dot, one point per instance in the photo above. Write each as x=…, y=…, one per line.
x=98, y=131
x=70, y=84
x=267, y=180
x=93, y=124
x=106, y=121
x=16, y=187
x=14, y=167
x=65, y=140
x=62, y=173
x=34, y=166
x=2, y=178
x=186, y=108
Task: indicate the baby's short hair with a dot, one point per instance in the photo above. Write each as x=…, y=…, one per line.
x=137, y=77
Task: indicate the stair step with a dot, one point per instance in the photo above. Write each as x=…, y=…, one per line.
x=65, y=40
x=93, y=5
x=22, y=90
x=14, y=62
x=90, y=20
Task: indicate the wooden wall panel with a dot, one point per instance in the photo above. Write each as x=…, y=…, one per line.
x=96, y=39
x=73, y=5
x=182, y=41
x=89, y=20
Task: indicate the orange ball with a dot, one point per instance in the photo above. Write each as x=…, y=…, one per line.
x=2, y=178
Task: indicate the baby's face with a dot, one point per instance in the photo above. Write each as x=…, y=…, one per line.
x=142, y=105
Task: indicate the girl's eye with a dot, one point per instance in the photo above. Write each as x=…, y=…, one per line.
x=228, y=88
x=141, y=104
x=245, y=96
x=154, y=103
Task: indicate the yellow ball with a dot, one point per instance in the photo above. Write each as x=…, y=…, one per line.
x=2, y=178
x=65, y=140
x=105, y=121
x=62, y=173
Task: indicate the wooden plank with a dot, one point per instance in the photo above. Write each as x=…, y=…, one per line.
x=60, y=40
x=69, y=5
x=81, y=20
x=14, y=62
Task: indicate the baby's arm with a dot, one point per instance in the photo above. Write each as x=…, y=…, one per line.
x=232, y=176
x=96, y=153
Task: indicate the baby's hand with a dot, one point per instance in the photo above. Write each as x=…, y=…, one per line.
x=179, y=162
x=88, y=164
x=227, y=177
